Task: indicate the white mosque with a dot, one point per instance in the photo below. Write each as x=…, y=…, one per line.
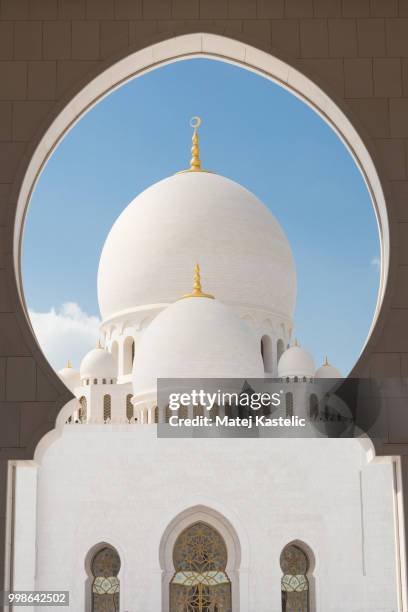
x=126, y=520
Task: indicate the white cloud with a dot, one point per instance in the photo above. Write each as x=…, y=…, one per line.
x=65, y=333
x=375, y=262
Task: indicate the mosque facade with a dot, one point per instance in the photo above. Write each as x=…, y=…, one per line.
x=202, y=524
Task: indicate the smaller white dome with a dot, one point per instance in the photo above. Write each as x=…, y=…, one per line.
x=195, y=338
x=70, y=377
x=328, y=371
x=296, y=361
x=98, y=363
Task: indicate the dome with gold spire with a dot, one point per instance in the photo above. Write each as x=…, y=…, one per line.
x=190, y=216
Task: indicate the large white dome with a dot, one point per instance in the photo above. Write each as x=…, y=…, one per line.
x=195, y=338
x=196, y=216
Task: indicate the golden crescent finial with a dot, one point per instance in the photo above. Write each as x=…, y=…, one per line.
x=195, y=122
x=69, y=364
x=197, y=291
x=195, y=161
x=296, y=343
x=326, y=362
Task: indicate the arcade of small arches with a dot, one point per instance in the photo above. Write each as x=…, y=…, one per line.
x=123, y=350
x=199, y=574
x=316, y=409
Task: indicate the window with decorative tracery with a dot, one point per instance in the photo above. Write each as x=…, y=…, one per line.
x=183, y=412
x=313, y=407
x=289, y=405
x=129, y=407
x=294, y=585
x=198, y=411
x=82, y=409
x=107, y=409
x=200, y=582
x=105, y=568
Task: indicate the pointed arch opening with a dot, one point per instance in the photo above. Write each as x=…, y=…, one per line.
x=103, y=566
x=280, y=349
x=297, y=583
x=128, y=355
x=267, y=353
x=200, y=581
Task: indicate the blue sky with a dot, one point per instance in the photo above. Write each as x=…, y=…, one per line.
x=253, y=132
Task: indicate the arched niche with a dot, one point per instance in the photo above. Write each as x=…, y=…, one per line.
x=285, y=73
x=213, y=518
x=297, y=562
x=102, y=568
x=267, y=353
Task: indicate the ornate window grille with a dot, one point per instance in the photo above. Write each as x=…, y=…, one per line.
x=313, y=407
x=294, y=585
x=200, y=582
x=107, y=408
x=289, y=404
x=82, y=413
x=105, y=586
x=129, y=407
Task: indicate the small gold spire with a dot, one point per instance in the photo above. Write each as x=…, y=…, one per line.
x=195, y=161
x=197, y=292
x=326, y=361
x=69, y=364
x=99, y=345
x=296, y=343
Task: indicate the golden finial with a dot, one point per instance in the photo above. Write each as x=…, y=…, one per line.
x=296, y=343
x=99, y=345
x=69, y=364
x=326, y=361
x=195, y=161
x=197, y=292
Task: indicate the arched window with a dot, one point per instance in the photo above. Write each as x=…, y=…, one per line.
x=280, y=348
x=289, y=404
x=129, y=407
x=183, y=412
x=105, y=568
x=198, y=411
x=128, y=355
x=267, y=353
x=200, y=581
x=168, y=414
x=214, y=412
x=114, y=349
x=294, y=584
x=156, y=414
x=107, y=408
x=313, y=407
x=82, y=409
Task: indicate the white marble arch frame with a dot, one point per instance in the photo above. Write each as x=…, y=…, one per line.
x=225, y=49
x=236, y=565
